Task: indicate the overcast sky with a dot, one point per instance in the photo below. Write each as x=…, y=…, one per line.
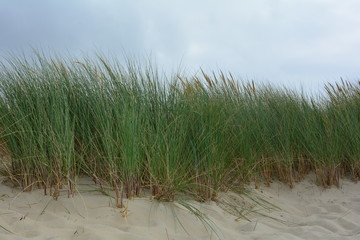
x=286, y=42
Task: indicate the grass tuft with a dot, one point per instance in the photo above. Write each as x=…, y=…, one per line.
x=130, y=128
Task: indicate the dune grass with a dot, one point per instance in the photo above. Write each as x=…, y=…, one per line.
x=131, y=128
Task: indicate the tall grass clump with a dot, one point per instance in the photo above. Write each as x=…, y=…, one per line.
x=342, y=127
x=130, y=127
x=38, y=124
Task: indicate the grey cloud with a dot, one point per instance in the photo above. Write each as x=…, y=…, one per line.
x=292, y=42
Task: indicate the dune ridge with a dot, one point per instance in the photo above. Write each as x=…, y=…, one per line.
x=307, y=212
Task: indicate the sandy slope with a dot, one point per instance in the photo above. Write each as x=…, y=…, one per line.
x=308, y=212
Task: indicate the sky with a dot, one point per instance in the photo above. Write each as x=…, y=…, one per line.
x=299, y=44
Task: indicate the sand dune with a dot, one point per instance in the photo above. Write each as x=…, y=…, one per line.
x=307, y=212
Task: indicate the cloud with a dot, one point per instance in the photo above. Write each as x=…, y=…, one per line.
x=291, y=42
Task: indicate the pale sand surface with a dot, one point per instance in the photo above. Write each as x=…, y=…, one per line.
x=308, y=212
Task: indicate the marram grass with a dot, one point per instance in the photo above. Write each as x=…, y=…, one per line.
x=130, y=128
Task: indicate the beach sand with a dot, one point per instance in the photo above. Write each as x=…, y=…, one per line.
x=307, y=212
